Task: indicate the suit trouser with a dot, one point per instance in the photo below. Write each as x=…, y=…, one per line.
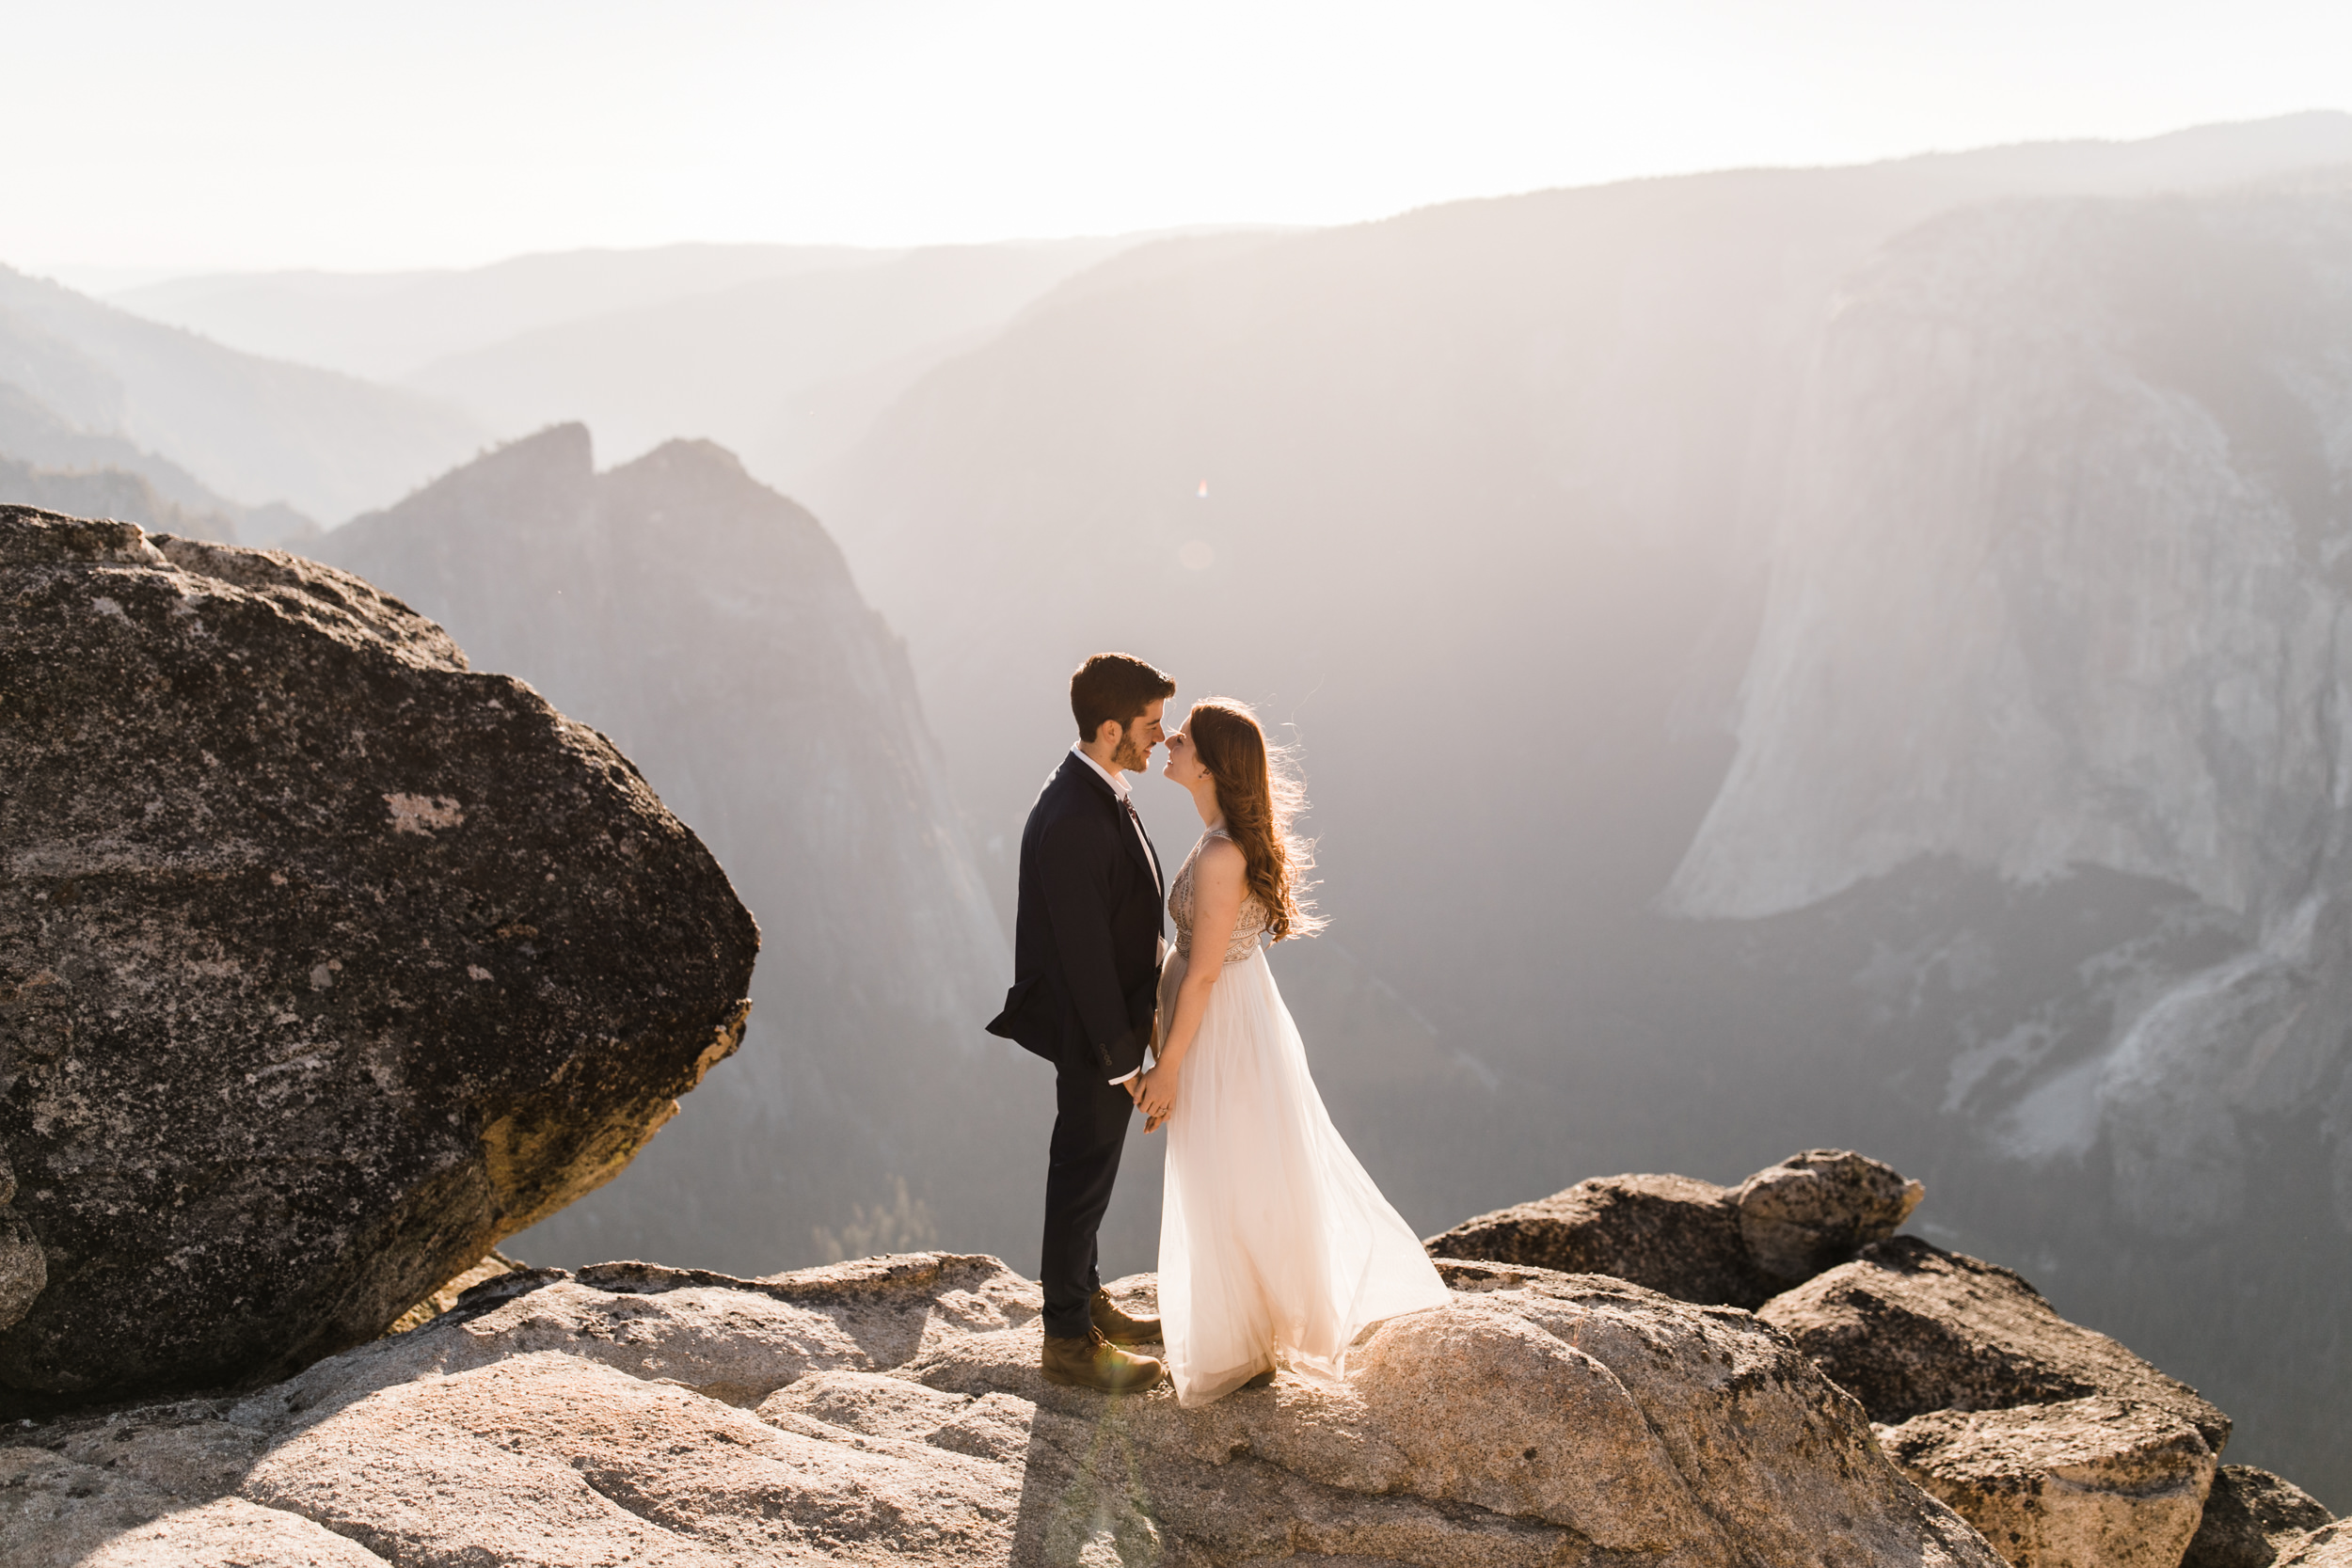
x=1090, y=1132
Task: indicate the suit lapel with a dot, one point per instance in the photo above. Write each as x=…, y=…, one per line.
x=1130, y=834
x=1152, y=861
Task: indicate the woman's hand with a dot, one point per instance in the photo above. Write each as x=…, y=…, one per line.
x=1217, y=905
x=1155, y=1095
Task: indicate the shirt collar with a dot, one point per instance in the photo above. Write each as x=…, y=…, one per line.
x=1117, y=781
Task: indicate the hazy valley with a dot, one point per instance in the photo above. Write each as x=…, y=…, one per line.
x=1779, y=657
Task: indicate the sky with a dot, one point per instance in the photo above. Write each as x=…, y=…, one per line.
x=152, y=136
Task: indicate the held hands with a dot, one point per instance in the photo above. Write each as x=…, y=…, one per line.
x=1155, y=1095
x=1134, y=1092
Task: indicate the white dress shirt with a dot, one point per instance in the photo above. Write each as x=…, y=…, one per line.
x=1117, y=779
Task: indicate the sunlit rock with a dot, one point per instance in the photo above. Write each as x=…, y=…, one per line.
x=2077, y=1483
x=1691, y=1239
x=1668, y=1233
x=1814, y=1210
x=892, y=1409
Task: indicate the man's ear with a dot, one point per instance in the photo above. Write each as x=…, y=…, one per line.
x=1110, y=732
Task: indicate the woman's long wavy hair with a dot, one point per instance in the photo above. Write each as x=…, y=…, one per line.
x=1260, y=799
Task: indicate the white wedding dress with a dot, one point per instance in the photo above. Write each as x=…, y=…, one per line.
x=1275, y=1246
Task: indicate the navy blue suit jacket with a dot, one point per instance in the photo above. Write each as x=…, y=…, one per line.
x=1086, y=943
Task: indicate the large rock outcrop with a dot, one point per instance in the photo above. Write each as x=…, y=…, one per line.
x=2065, y=1448
x=891, y=1410
x=1691, y=1239
x=325, y=962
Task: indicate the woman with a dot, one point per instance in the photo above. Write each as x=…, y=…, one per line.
x=1275, y=1246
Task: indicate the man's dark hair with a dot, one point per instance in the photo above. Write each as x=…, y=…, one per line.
x=1115, y=686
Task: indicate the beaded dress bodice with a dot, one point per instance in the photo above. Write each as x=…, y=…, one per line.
x=1249, y=926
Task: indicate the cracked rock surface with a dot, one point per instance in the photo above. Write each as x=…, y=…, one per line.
x=325, y=961
x=891, y=1410
x=2065, y=1448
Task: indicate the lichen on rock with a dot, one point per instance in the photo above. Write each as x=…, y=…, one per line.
x=281, y=1048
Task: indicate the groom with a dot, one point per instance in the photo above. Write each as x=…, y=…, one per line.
x=1086, y=959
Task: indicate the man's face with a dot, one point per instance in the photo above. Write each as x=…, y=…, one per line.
x=1135, y=741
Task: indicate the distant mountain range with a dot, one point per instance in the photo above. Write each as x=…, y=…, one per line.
x=48, y=463
x=238, y=396
x=785, y=354
x=787, y=370
x=252, y=430
x=388, y=325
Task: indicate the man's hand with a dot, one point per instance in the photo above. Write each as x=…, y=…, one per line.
x=1155, y=1095
x=1135, y=1084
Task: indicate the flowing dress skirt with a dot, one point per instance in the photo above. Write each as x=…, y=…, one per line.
x=1274, y=1243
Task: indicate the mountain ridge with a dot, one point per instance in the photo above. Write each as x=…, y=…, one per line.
x=710, y=627
x=250, y=429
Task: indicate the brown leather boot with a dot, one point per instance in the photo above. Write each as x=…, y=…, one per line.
x=1094, y=1362
x=1118, y=1328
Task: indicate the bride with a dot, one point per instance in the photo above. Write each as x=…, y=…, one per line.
x=1275, y=1246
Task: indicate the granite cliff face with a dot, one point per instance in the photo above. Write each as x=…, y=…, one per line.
x=325, y=961
x=2059, y=570
x=710, y=627
x=2060, y=607
x=2060, y=584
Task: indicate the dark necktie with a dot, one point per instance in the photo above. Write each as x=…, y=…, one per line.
x=1136, y=822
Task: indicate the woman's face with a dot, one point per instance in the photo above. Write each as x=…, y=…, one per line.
x=1183, y=761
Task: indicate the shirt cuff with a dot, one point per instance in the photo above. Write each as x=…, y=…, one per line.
x=1137, y=1073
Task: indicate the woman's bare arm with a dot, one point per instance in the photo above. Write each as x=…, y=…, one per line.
x=1217, y=889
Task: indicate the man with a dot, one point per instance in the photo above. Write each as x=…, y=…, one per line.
x=1086, y=953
